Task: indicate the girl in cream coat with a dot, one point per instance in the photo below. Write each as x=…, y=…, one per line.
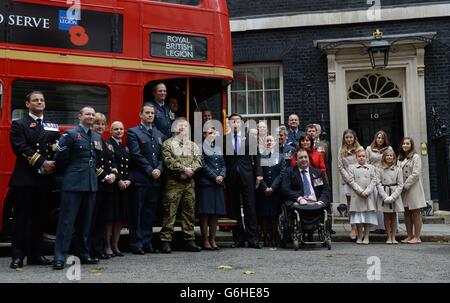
x=413, y=196
x=390, y=185
x=363, y=179
x=347, y=158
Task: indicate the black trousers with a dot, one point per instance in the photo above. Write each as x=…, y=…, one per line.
x=143, y=210
x=246, y=230
x=100, y=218
x=30, y=212
x=77, y=209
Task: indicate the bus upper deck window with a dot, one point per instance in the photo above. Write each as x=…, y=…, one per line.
x=62, y=100
x=182, y=2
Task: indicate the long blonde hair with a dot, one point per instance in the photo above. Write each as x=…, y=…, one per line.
x=345, y=149
x=383, y=158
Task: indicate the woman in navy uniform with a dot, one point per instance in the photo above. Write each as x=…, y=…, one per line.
x=121, y=189
x=33, y=142
x=268, y=195
x=211, y=202
x=104, y=200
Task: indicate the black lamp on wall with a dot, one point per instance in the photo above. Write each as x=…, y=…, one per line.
x=379, y=51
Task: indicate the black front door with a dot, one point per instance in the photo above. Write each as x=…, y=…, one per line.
x=367, y=119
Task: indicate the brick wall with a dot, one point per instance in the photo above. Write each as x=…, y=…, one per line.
x=239, y=8
x=304, y=65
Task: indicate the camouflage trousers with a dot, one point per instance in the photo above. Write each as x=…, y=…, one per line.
x=178, y=194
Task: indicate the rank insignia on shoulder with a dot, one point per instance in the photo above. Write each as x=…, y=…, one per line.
x=160, y=141
x=50, y=126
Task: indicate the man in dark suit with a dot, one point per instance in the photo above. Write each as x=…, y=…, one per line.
x=33, y=141
x=163, y=120
x=304, y=184
x=242, y=164
x=76, y=157
x=294, y=132
x=144, y=142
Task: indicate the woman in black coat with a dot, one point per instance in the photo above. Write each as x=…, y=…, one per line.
x=119, y=206
x=268, y=197
x=211, y=201
x=106, y=176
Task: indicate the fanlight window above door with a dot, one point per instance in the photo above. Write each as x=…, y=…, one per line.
x=373, y=86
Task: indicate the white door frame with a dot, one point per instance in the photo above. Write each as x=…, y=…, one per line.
x=410, y=58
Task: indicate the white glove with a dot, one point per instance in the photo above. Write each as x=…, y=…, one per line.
x=389, y=200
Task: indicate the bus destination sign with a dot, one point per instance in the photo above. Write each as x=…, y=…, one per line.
x=176, y=46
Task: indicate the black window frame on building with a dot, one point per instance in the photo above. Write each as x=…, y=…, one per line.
x=63, y=100
x=254, y=114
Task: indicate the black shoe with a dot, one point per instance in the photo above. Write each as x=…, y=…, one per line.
x=16, y=263
x=103, y=256
x=151, y=250
x=254, y=245
x=238, y=244
x=118, y=253
x=191, y=246
x=41, y=260
x=58, y=265
x=89, y=260
x=165, y=247
x=138, y=251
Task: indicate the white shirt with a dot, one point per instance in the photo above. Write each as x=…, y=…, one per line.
x=312, y=197
x=36, y=117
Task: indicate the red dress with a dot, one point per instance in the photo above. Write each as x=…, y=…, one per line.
x=315, y=160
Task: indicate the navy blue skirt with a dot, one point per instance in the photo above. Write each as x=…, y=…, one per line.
x=211, y=200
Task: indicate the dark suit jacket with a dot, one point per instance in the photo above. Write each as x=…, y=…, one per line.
x=106, y=165
x=76, y=157
x=293, y=139
x=249, y=165
x=272, y=172
x=213, y=166
x=162, y=119
x=122, y=159
x=145, y=154
x=292, y=186
x=32, y=145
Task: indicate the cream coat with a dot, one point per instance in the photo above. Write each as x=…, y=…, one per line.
x=374, y=155
x=363, y=178
x=390, y=183
x=344, y=165
x=413, y=195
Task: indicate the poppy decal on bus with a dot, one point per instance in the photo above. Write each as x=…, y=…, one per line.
x=55, y=26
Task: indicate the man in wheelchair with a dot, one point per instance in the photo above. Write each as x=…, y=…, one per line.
x=306, y=193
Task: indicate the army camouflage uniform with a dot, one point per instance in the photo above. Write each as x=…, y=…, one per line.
x=177, y=154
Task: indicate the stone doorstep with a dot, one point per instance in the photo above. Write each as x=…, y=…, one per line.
x=443, y=215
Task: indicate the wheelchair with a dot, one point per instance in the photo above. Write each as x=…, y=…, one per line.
x=296, y=222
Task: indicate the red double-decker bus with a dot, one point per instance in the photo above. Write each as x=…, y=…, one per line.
x=108, y=54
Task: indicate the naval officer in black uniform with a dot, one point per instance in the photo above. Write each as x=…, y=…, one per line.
x=33, y=141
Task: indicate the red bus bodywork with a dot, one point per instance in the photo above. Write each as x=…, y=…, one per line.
x=125, y=69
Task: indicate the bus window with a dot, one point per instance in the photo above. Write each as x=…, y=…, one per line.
x=183, y=2
x=63, y=100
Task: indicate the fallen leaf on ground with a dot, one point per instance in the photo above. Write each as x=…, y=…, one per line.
x=329, y=255
x=95, y=270
x=442, y=241
x=19, y=269
x=248, y=272
x=225, y=267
